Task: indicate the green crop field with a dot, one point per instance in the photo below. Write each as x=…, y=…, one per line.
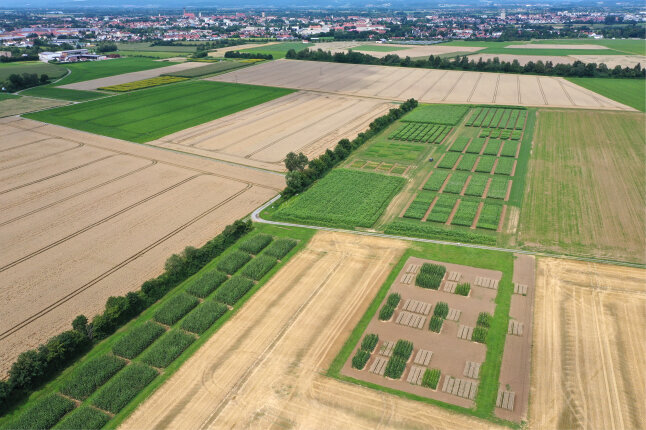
x=278, y=50
x=150, y=54
x=87, y=70
x=631, y=92
x=381, y=48
x=146, y=115
x=37, y=67
x=343, y=198
x=145, y=46
x=7, y=96
x=208, y=69
x=616, y=47
x=51, y=92
x=437, y=114
x=383, y=150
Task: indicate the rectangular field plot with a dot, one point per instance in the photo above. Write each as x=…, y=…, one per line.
x=490, y=216
x=146, y=115
x=456, y=183
x=465, y=214
x=420, y=205
x=436, y=180
x=442, y=208
x=418, y=132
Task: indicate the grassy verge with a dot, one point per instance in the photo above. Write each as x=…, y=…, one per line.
x=490, y=371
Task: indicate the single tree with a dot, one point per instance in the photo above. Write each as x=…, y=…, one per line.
x=295, y=162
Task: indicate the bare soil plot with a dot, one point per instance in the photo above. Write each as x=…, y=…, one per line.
x=264, y=368
x=433, y=86
x=591, y=165
x=450, y=351
x=130, y=77
x=263, y=135
x=91, y=217
x=26, y=104
x=588, y=355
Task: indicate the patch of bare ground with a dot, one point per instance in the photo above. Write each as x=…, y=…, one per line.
x=26, y=104
x=87, y=217
x=588, y=354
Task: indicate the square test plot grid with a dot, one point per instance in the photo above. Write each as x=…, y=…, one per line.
x=446, y=350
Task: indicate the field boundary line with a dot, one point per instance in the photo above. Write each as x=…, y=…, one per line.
x=255, y=217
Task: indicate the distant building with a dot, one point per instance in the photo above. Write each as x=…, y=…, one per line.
x=70, y=56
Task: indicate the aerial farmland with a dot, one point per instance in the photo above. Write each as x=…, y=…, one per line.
x=451, y=249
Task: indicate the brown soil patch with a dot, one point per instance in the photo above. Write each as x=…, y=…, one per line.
x=26, y=104
x=87, y=217
x=486, y=190
x=477, y=217
x=453, y=211
x=501, y=223
x=589, y=349
x=432, y=86
x=263, y=135
x=430, y=208
x=466, y=184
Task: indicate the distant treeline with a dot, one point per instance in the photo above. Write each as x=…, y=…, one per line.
x=576, y=69
x=238, y=54
x=17, y=82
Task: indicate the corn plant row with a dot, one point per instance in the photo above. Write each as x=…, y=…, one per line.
x=369, y=342
x=233, y=261
x=435, y=324
x=86, y=379
x=441, y=310
x=430, y=276
x=442, y=208
x=484, y=319
x=460, y=143
x=122, y=388
x=397, y=363
x=482, y=327
x=449, y=160
x=206, y=283
x=167, y=349
x=203, y=317
x=476, y=145
x=498, y=188
x=255, y=244
x=388, y=309
x=465, y=214
x=360, y=359
x=497, y=118
x=137, y=339
x=520, y=124
x=463, y=289
x=85, y=418
x=233, y=289
x=513, y=118
x=474, y=114
x=436, y=180
x=516, y=134
x=456, y=183
x=258, y=267
x=509, y=149
x=44, y=414
x=485, y=164
x=420, y=205
x=476, y=186
x=174, y=309
x=505, y=166
x=280, y=248
x=419, y=132
x=467, y=162
x=490, y=216
x=431, y=378
x=492, y=148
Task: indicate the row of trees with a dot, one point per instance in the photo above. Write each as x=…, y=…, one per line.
x=578, y=68
x=303, y=172
x=16, y=82
x=37, y=366
x=255, y=55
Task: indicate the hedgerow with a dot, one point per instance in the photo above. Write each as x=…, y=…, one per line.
x=430, y=276
x=206, y=284
x=175, y=308
x=279, y=248
x=85, y=418
x=441, y=309
x=232, y=262
x=435, y=324
x=369, y=342
x=137, y=339
x=233, y=289
x=393, y=299
x=203, y=317
x=167, y=349
x=463, y=289
x=256, y=244
x=258, y=267
x=436, y=180
x=121, y=389
x=91, y=375
x=360, y=359
x=44, y=413
x=431, y=378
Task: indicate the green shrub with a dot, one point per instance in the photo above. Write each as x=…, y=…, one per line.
x=137, y=339
x=393, y=299
x=167, y=349
x=203, y=317
x=386, y=312
x=91, y=375
x=484, y=320
x=121, y=389
x=435, y=324
x=232, y=262
x=403, y=349
x=441, y=309
x=175, y=308
x=44, y=413
x=85, y=418
x=463, y=289
x=360, y=359
x=233, y=289
x=369, y=342
x=479, y=335
x=206, y=284
x=431, y=378
x=256, y=244
x=279, y=248
x=258, y=267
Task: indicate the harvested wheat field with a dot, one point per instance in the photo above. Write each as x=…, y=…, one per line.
x=86, y=217
x=523, y=59
x=588, y=355
x=430, y=86
x=613, y=60
x=26, y=104
x=263, y=369
x=382, y=49
x=221, y=51
x=261, y=136
x=124, y=78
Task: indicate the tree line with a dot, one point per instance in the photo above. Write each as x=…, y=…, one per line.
x=16, y=82
x=578, y=68
x=303, y=172
x=250, y=55
x=35, y=367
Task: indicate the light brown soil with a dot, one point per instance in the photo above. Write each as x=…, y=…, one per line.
x=449, y=352
x=261, y=136
x=87, y=217
x=433, y=86
x=515, y=369
x=264, y=368
x=612, y=60
x=588, y=355
x=477, y=217
x=131, y=77
x=453, y=212
x=408, y=51
x=26, y=104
